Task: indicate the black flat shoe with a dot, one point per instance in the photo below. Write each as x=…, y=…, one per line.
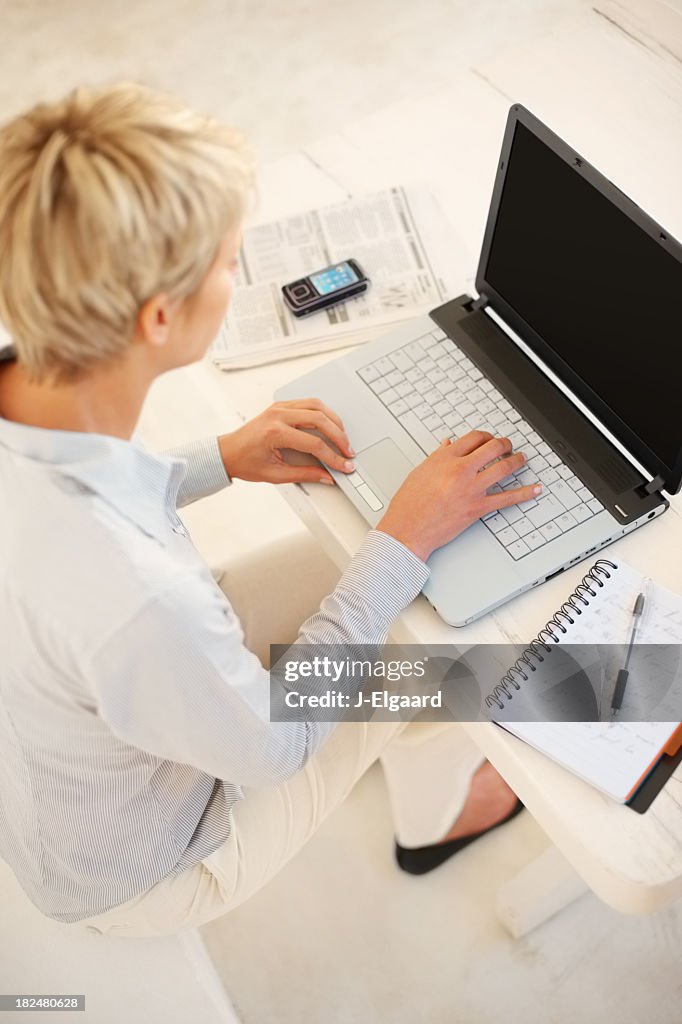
x=419, y=860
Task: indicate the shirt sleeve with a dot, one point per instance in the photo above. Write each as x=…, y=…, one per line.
x=178, y=681
x=206, y=473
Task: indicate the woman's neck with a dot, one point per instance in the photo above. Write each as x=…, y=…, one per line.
x=106, y=401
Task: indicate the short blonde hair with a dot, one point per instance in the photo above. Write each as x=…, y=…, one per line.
x=107, y=198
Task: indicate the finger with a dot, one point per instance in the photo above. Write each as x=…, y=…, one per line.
x=470, y=442
x=491, y=502
x=313, y=420
x=301, y=475
x=314, y=445
x=318, y=405
x=489, y=451
x=499, y=470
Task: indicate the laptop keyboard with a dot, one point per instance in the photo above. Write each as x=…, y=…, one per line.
x=435, y=391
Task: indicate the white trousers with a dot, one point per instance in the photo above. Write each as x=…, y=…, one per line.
x=428, y=767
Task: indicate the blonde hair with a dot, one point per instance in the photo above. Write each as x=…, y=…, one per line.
x=107, y=198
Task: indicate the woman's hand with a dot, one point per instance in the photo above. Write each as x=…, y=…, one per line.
x=254, y=451
x=448, y=491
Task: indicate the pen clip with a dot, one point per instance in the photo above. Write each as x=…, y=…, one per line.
x=645, y=593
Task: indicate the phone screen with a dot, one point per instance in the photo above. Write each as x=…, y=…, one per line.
x=339, y=276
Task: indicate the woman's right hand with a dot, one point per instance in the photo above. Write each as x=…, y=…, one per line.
x=448, y=491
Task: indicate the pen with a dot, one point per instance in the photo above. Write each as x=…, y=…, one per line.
x=623, y=673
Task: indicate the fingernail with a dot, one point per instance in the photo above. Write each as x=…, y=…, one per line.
x=537, y=489
x=326, y=480
x=349, y=466
x=351, y=451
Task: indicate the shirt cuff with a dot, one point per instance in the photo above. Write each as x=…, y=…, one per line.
x=385, y=574
x=206, y=473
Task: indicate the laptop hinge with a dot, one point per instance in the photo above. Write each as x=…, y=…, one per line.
x=653, y=487
x=480, y=303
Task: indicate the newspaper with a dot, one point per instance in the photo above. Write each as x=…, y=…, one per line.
x=399, y=236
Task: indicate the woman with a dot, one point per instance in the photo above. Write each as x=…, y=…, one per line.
x=142, y=785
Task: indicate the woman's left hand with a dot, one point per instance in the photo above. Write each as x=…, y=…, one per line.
x=255, y=451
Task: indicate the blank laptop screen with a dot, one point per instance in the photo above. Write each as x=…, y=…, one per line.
x=601, y=293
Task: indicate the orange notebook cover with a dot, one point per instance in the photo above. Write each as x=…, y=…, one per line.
x=670, y=748
x=675, y=742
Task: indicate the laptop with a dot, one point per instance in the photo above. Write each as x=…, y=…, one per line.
x=571, y=347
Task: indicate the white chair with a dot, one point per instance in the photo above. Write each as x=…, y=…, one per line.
x=168, y=979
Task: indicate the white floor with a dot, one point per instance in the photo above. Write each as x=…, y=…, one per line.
x=284, y=72
x=341, y=936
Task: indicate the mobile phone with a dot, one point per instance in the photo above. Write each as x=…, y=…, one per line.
x=325, y=287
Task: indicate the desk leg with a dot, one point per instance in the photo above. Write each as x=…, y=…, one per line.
x=537, y=892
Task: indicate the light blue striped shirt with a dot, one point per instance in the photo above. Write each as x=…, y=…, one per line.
x=131, y=713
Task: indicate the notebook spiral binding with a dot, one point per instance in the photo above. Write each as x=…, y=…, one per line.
x=537, y=648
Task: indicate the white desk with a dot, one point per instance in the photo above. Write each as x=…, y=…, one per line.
x=611, y=86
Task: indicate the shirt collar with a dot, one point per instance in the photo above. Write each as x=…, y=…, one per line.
x=139, y=485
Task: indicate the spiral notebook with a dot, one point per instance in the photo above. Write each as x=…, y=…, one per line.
x=537, y=696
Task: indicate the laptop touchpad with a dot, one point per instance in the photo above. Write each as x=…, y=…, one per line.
x=383, y=465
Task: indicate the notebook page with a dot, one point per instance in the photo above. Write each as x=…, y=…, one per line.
x=613, y=757
x=654, y=690
x=609, y=614
x=573, y=683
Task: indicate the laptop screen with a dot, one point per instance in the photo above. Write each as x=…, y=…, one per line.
x=602, y=294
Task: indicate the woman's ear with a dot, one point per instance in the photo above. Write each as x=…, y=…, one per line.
x=155, y=318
